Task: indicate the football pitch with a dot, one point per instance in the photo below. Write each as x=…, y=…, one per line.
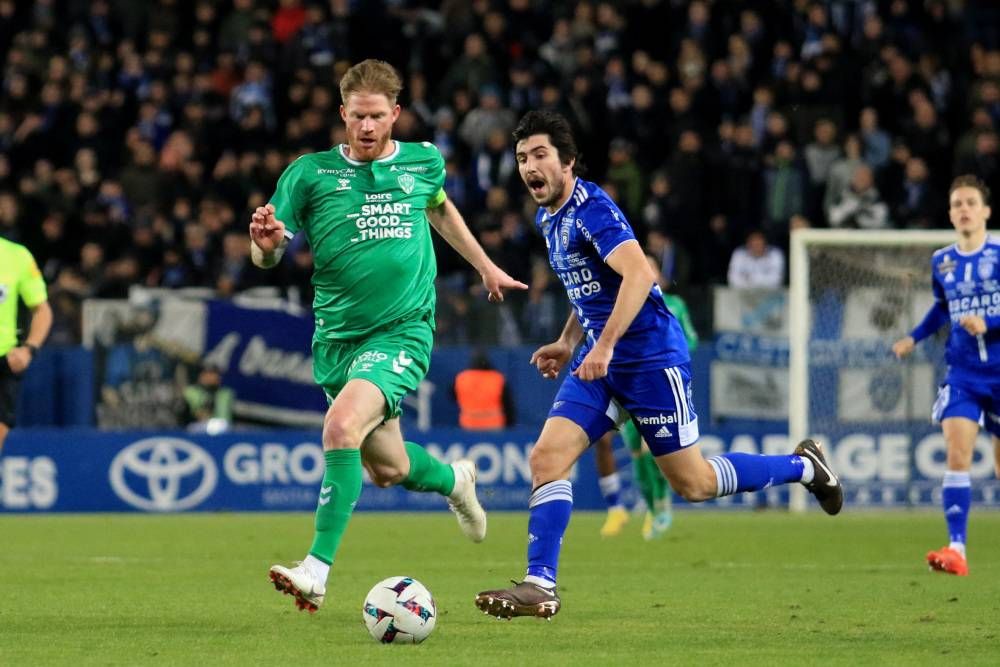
x=721, y=588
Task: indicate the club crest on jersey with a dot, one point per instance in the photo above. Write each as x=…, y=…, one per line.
x=985, y=267
x=406, y=182
x=565, y=225
x=947, y=268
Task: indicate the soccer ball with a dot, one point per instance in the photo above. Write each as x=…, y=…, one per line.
x=399, y=610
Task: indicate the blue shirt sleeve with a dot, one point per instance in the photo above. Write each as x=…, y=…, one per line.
x=605, y=228
x=937, y=316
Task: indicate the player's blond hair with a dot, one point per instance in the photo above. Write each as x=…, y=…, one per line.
x=371, y=76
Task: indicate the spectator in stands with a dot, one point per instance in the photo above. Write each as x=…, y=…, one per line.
x=483, y=396
x=876, y=143
x=841, y=172
x=208, y=404
x=920, y=205
x=756, y=264
x=492, y=166
x=861, y=206
x=984, y=161
x=820, y=155
x=472, y=70
x=487, y=117
x=783, y=191
x=627, y=177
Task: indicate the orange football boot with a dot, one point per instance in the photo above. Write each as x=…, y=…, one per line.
x=948, y=560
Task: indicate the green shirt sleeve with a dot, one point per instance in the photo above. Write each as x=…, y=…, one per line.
x=31, y=287
x=438, y=168
x=290, y=196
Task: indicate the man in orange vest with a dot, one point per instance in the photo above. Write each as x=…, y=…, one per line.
x=484, y=402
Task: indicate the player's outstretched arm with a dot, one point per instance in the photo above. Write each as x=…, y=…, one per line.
x=449, y=223
x=267, y=237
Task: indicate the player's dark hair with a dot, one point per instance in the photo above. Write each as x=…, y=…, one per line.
x=971, y=181
x=559, y=131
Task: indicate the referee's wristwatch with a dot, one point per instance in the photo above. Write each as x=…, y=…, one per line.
x=31, y=348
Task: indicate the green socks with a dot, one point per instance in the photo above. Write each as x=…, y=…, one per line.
x=427, y=473
x=644, y=478
x=339, y=493
x=342, y=488
x=652, y=484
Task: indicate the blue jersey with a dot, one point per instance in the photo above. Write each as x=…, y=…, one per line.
x=579, y=237
x=967, y=284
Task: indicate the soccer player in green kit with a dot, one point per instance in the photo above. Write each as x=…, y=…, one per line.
x=365, y=209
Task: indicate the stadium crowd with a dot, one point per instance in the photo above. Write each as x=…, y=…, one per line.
x=135, y=137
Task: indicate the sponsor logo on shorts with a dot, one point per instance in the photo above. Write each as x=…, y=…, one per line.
x=664, y=432
x=366, y=360
x=658, y=419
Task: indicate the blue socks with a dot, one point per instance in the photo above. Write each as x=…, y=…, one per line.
x=956, y=496
x=549, y=506
x=611, y=489
x=735, y=473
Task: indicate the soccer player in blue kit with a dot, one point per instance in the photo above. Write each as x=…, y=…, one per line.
x=633, y=358
x=965, y=277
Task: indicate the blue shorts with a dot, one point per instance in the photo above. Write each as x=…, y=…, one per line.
x=659, y=402
x=979, y=402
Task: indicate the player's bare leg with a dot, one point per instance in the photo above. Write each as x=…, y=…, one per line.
x=558, y=447
x=610, y=483
x=960, y=436
x=689, y=474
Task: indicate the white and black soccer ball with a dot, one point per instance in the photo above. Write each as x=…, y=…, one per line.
x=399, y=610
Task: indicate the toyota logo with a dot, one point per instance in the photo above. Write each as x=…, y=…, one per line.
x=164, y=474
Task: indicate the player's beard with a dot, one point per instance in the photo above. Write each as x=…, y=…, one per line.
x=360, y=151
x=555, y=195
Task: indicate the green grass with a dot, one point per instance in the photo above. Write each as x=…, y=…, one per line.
x=719, y=589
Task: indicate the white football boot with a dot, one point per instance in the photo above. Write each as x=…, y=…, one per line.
x=301, y=583
x=464, y=503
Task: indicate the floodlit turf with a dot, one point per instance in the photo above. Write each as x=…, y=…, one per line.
x=720, y=588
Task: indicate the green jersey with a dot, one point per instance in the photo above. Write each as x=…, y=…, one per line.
x=680, y=311
x=367, y=225
x=19, y=277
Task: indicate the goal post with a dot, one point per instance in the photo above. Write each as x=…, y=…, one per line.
x=834, y=275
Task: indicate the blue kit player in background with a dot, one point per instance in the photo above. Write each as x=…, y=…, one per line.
x=966, y=280
x=633, y=358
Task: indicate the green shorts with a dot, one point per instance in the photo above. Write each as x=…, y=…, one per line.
x=395, y=359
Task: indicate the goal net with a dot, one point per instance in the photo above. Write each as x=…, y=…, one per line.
x=852, y=294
